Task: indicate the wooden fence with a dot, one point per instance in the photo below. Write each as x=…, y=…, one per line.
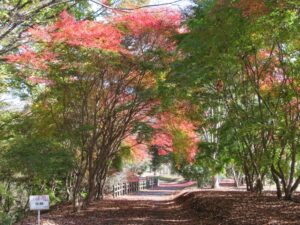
x=131, y=187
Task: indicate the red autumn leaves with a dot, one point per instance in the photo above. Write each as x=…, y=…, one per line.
x=165, y=126
x=89, y=34
x=152, y=29
x=107, y=36
x=145, y=21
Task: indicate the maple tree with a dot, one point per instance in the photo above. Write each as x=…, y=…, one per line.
x=240, y=67
x=176, y=135
x=103, y=92
x=99, y=83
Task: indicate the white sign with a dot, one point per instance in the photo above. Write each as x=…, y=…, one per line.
x=39, y=202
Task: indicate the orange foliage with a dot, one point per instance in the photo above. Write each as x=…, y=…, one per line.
x=252, y=7
x=133, y=33
x=267, y=77
x=139, y=151
x=90, y=34
x=155, y=26
x=31, y=58
x=165, y=125
x=144, y=21
x=107, y=36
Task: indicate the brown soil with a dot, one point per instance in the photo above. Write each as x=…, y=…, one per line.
x=113, y=212
x=201, y=207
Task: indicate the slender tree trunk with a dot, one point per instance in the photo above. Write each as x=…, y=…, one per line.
x=69, y=187
x=91, y=189
x=75, y=198
x=289, y=190
x=215, y=182
x=236, y=177
x=277, y=182
x=259, y=185
x=77, y=188
x=249, y=181
x=92, y=172
x=101, y=182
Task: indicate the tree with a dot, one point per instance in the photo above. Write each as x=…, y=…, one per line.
x=18, y=15
x=33, y=160
x=100, y=81
x=239, y=61
x=176, y=134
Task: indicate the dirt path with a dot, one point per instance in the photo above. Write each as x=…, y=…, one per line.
x=165, y=191
x=171, y=205
x=148, y=207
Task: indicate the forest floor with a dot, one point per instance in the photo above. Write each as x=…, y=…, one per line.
x=179, y=204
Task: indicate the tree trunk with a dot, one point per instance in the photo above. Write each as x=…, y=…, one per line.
x=92, y=169
x=259, y=185
x=248, y=178
x=277, y=182
x=288, y=195
x=91, y=190
x=249, y=182
x=77, y=188
x=236, y=177
x=101, y=179
x=75, y=197
x=215, y=182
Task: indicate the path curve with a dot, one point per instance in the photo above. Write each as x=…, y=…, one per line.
x=165, y=191
x=148, y=207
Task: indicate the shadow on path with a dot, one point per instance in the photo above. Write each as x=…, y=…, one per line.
x=148, y=207
x=124, y=212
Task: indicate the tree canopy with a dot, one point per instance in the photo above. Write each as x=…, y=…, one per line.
x=214, y=91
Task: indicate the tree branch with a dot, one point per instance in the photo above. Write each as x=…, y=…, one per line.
x=134, y=8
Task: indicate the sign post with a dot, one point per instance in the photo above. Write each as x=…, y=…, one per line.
x=38, y=203
x=39, y=217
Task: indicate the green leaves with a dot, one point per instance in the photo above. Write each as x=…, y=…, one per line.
x=240, y=65
x=39, y=158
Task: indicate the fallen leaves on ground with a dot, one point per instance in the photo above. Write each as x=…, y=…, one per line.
x=205, y=207
x=240, y=208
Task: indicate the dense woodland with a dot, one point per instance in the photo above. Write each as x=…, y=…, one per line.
x=212, y=88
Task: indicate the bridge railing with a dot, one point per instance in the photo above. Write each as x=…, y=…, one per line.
x=125, y=188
